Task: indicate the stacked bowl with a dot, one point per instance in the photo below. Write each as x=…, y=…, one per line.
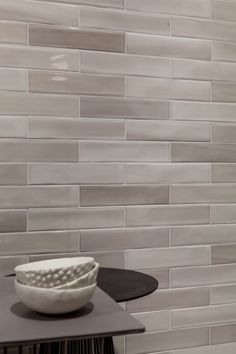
x=57, y=286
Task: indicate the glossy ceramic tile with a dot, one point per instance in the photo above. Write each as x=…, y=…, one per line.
x=224, y=51
x=102, y=3
x=223, y=213
x=13, y=127
x=223, y=254
x=13, y=220
x=223, y=294
x=7, y=264
x=223, y=334
x=223, y=92
x=210, y=349
x=223, y=172
x=110, y=259
x=154, y=321
x=11, y=32
x=224, y=11
x=162, y=275
x=13, y=174
x=13, y=80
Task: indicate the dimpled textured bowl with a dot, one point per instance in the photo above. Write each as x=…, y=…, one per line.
x=50, y=301
x=54, y=272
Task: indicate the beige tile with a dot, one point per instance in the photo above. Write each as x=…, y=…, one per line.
x=75, y=173
x=102, y=3
x=222, y=254
x=204, y=111
x=124, y=64
x=167, y=215
x=201, y=152
x=167, y=130
x=167, y=88
x=199, y=235
x=60, y=128
x=178, y=7
x=12, y=220
x=109, y=107
x=131, y=151
x=123, y=195
x=167, y=257
x=203, y=316
x=223, y=214
x=13, y=127
x=42, y=58
x=124, y=21
x=168, y=173
x=40, y=196
x=203, y=193
x=75, y=218
x=13, y=80
x=42, y=151
x=13, y=174
x=225, y=11
x=111, y=259
x=223, y=172
x=168, y=46
x=171, y=299
x=44, y=105
x=11, y=32
x=48, y=36
x=224, y=51
x=203, y=70
x=167, y=340
x=224, y=133
x=162, y=276
x=223, y=294
x=200, y=276
x=223, y=91
x=111, y=239
x=35, y=11
x=206, y=29
x=25, y=243
x=74, y=83
x=153, y=321
x=228, y=348
x=7, y=264
x=224, y=334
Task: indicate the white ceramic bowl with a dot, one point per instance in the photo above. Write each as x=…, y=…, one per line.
x=85, y=280
x=50, y=301
x=53, y=272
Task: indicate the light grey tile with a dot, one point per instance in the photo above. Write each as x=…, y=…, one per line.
x=199, y=235
x=168, y=173
x=223, y=214
x=111, y=239
x=223, y=91
x=43, y=105
x=58, y=128
x=39, y=58
x=74, y=218
x=13, y=80
x=35, y=11
x=124, y=21
x=203, y=152
x=13, y=174
x=75, y=173
x=167, y=257
x=167, y=340
x=11, y=32
x=171, y=299
x=178, y=7
x=224, y=133
x=223, y=294
x=203, y=316
x=153, y=321
x=124, y=64
x=44, y=256
x=111, y=259
x=223, y=254
x=167, y=215
x=223, y=334
x=13, y=127
x=130, y=151
x=48, y=36
x=224, y=172
x=12, y=220
x=109, y=107
x=206, y=29
x=203, y=193
x=102, y=3
x=42, y=151
x=224, y=10
x=201, y=276
x=228, y=348
x=7, y=264
x=40, y=196
x=168, y=46
x=123, y=195
x=167, y=88
x=25, y=243
x=162, y=276
x=75, y=83
x=203, y=70
x=223, y=51
x=119, y=344
x=204, y=111
x=167, y=130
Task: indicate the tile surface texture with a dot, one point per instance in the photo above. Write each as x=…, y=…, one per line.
x=118, y=141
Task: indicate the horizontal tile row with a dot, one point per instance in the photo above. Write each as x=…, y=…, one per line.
x=223, y=334
x=102, y=3
x=15, y=33
x=228, y=348
x=162, y=275
x=153, y=321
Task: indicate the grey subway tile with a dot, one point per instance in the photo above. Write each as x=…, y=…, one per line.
x=224, y=172
x=224, y=133
x=153, y=321
x=224, y=51
x=223, y=334
x=7, y=264
x=228, y=348
x=110, y=259
x=11, y=32
x=223, y=294
x=162, y=275
x=225, y=11
x=13, y=220
x=222, y=254
x=13, y=127
x=223, y=213
x=223, y=91
x=13, y=80
x=13, y=174
x=102, y=3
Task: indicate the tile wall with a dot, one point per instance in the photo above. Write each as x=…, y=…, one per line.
x=118, y=139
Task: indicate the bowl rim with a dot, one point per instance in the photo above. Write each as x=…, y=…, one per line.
x=53, y=290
